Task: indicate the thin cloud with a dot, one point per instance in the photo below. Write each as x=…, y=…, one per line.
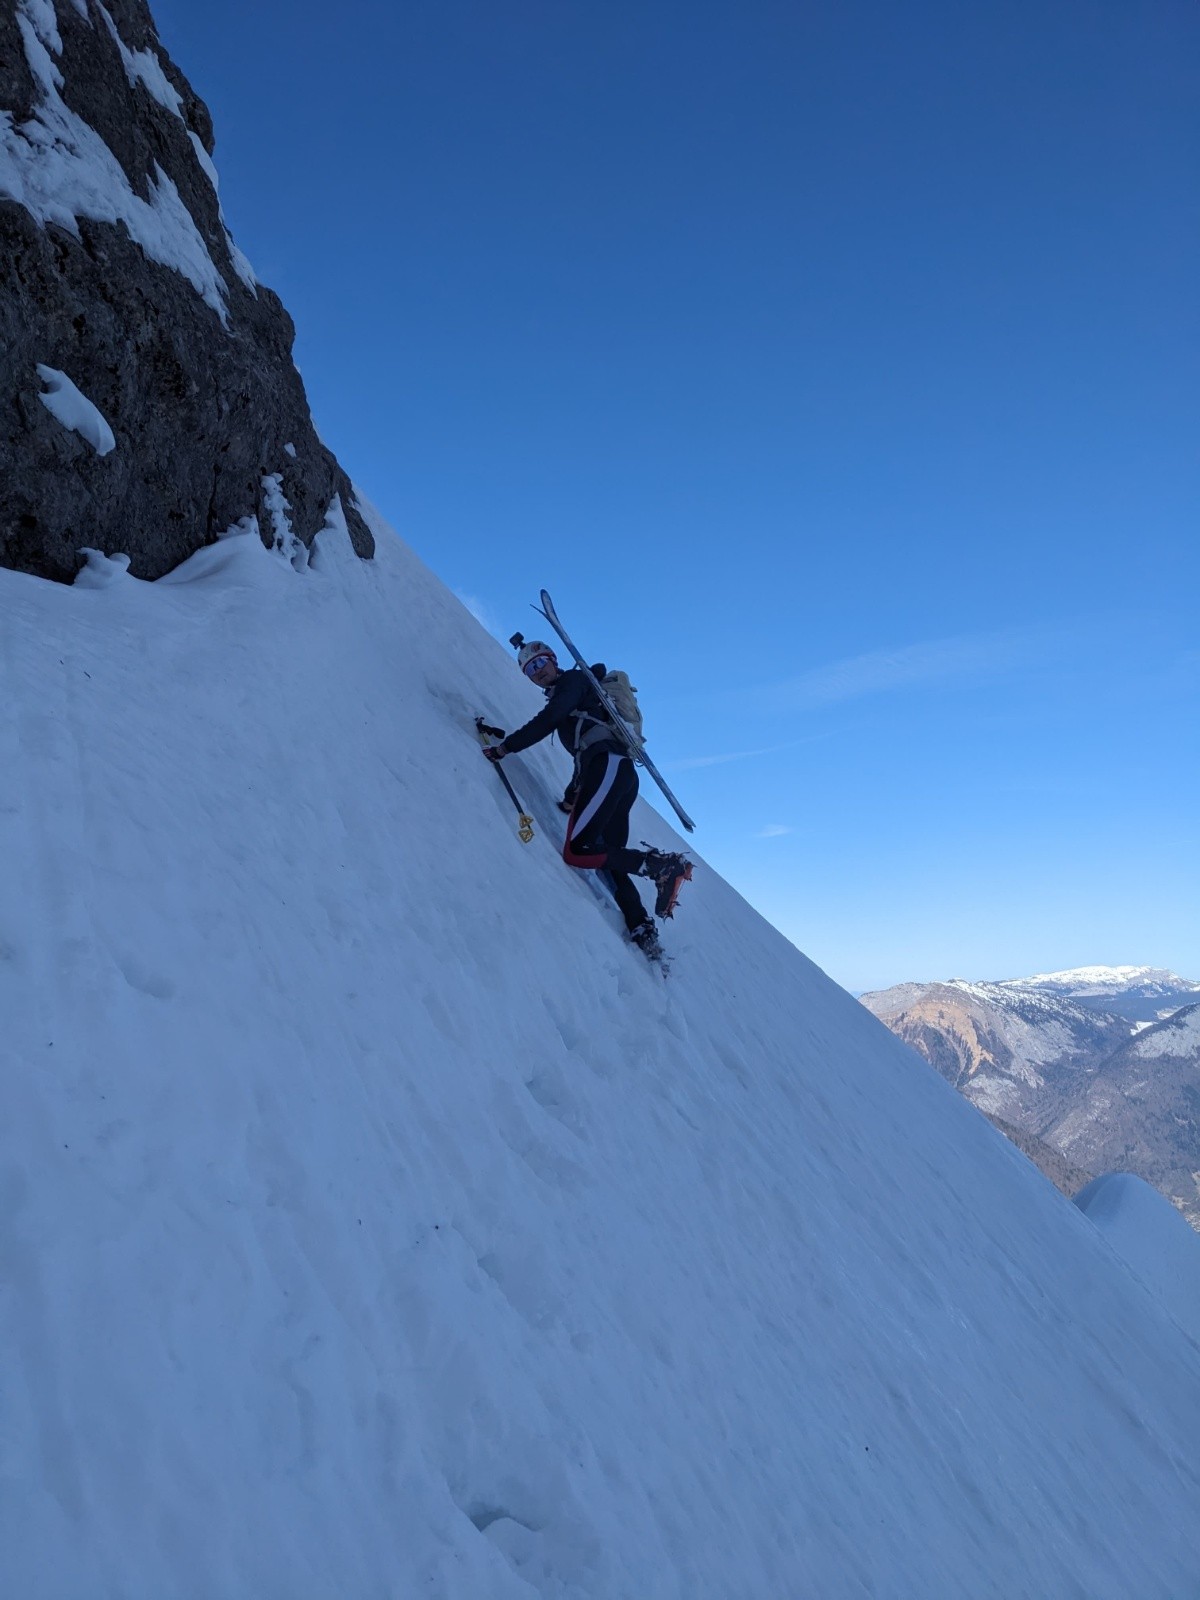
x=773, y=830
x=690, y=763
x=968, y=658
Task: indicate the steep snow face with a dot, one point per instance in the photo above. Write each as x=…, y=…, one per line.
x=379, y=1222
x=1150, y=1235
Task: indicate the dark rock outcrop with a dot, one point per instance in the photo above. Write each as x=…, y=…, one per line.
x=117, y=270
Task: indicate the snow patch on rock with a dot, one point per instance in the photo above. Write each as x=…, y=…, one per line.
x=75, y=411
x=144, y=67
x=278, y=509
x=240, y=264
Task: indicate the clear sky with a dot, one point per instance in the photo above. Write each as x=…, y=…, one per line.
x=837, y=369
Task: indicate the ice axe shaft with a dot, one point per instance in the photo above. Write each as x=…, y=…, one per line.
x=524, y=820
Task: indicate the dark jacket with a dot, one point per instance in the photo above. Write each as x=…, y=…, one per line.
x=572, y=710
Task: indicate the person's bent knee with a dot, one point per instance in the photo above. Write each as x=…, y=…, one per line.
x=582, y=863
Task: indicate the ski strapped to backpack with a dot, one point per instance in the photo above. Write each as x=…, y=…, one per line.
x=592, y=725
x=608, y=698
x=623, y=695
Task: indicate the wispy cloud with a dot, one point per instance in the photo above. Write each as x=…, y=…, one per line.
x=773, y=830
x=690, y=763
x=969, y=658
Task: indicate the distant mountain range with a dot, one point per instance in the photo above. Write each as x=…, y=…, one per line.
x=1090, y=1070
x=1144, y=994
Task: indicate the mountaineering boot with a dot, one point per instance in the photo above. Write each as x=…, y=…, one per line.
x=670, y=872
x=646, y=938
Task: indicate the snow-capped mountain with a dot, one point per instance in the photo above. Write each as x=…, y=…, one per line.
x=1063, y=1058
x=1013, y=1049
x=1141, y=993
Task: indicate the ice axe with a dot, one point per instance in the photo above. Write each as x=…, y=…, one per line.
x=524, y=820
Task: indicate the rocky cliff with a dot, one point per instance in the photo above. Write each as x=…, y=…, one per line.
x=148, y=397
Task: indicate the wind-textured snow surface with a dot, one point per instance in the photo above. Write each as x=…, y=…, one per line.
x=375, y=1221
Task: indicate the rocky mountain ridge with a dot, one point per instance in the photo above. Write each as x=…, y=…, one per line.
x=1097, y=1085
x=1145, y=994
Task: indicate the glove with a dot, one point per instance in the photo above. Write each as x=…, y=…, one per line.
x=495, y=752
x=567, y=803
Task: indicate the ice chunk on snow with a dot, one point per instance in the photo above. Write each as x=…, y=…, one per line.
x=75, y=411
x=101, y=571
x=332, y=546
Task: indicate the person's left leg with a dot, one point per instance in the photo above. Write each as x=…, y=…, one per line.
x=599, y=824
x=598, y=832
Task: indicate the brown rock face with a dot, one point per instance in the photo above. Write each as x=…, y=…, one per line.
x=117, y=270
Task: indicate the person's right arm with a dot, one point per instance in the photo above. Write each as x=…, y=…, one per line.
x=568, y=692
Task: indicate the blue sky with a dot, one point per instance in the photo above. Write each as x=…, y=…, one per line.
x=837, y=370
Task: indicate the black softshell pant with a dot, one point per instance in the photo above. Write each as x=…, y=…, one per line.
x=598, y=832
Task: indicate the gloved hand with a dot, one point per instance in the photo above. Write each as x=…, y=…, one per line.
x=567, y=803
x=495, y=752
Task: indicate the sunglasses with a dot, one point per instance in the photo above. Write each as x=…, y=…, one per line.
x=535, y=664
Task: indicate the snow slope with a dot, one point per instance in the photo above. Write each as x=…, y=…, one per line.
x=1145, y=1229
x=375, y=1222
